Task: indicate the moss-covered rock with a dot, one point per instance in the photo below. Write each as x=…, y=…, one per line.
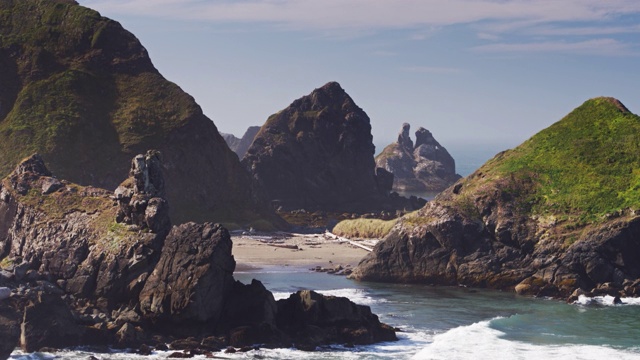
x=558, y=212
x=81, y=91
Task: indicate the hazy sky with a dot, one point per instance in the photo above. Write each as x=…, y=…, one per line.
x=471, y=71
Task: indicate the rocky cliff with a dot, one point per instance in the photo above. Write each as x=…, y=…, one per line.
x=318, y=154
x=86, y=266
x=556, y=216
x=241, y=145
x=425, y=166
x=82, y=91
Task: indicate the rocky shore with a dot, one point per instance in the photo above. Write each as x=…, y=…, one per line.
x=85, y=266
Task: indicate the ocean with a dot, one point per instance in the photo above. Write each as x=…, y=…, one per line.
x=449, y=323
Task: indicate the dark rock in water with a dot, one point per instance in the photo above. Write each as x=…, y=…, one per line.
x=427, y=166
x=317, y=154
x=193, y=277
x=313, y=319
x=84, y=93
x=250, y=304
x=240, y=146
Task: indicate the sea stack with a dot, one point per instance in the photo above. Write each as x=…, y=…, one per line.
x=425, y=166
x=317, y=154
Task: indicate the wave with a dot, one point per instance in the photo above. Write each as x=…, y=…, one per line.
x=480, y=341
x=358, y=296
x=606, y=300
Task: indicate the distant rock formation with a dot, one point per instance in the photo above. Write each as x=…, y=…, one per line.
x=82, y=91
x=318, y=154
x=240, y=146
x=556, y=216
x=89, y=267
x=425, y=166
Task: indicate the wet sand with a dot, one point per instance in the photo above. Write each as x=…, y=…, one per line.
x=253, y=251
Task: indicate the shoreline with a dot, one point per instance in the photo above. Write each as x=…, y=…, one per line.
x=255, y=252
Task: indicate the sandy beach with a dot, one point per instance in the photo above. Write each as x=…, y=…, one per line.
x=284, y=249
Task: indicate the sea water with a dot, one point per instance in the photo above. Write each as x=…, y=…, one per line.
x=450, y=323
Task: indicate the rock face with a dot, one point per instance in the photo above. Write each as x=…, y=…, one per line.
x=240, y=146
x=193, y=276
x=556, y=216
x=88, y=267
x=425, y=166
x=82, y=91
x=318, y=154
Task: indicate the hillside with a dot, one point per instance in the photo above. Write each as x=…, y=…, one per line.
x=81, y=91
x=556, y=214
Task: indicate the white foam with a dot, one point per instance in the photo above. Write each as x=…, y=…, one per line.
x=358, y=296
x=480, y=341
x=606, y=300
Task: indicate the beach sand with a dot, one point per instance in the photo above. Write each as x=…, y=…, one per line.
x=253, y=252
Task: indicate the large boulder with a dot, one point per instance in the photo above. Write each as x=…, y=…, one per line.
x=425, y=166
x=9, y=328
x=312, y=319
x=193, y=277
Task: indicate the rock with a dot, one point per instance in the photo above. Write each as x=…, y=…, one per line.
x=313, y=319
x=427, y=166
x=249, y=304
x=5, y=292
x=9, y=328
x=317, y=154
x=49, y=323
x=240, y=146
x=193, y=277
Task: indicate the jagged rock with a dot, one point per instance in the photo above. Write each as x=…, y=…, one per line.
x=141, y=196
x=193, y=277
x=427, y=166
x=240, y=146
x=317, y=154
x=85, y=279
x=314, y=319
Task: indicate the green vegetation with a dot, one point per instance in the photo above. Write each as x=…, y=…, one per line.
x=364, y=228
x=582, y=169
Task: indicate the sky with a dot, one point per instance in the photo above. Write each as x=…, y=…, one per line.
x=479, y=74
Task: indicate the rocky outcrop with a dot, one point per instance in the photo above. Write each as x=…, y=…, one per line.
x=315, y=319
x=522, y=221
x=241, y=145
x=193, y=277
x=317, y=154
x=88, y=267
x=425, y=166
x=83, y=92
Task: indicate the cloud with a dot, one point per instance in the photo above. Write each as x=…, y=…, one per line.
x=432, y=69
x=603, y=47
x=372, y=14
